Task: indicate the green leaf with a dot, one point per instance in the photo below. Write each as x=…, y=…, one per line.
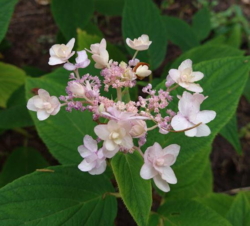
x=190, y=213
x=6, y=10
x=238, y=213
x=64, y=132
x=234, y=38
x=135, y=192
x=109, y=7
x=134, y=24
x=16, y=114
x=201, y=23
x=246, y=91
x=70, y=15
x=180, y=33
x=11, y=78
x=202, y=185
x=230, y=132
x=220, y=203
x=20, y=162
x=212, y=52
x=66, y=196
x=220, y=82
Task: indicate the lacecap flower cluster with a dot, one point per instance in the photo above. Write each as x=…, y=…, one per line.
x=120, y=123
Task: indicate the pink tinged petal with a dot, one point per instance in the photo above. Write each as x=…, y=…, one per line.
x=43, y=94
x=173, y=150
x=31, y=103
x=127, y=142
x=161, y=184
x=196, y=76
x=205, y=116
x=82, y=56
x=102, y=132
x=185, y=64
x=169, y=175
x=55, y=60
x=83, y=64
x=56, y=105
x=129, y=42
x=69, y=66
x=100, y=169
x=191, y=132
x=103, y=44
x=54, y=49
x=83, y=151
x=110, y=145
x=110, y=154
x=147, y=171
x=90, y=143
x=187, y=105
x=42, y=115
x=100, y=63
x=174, y=74
x=203, y=131
x=86, y=166
x=70, y=44
x=179, y=122
x=113, y=125
x=194, y=88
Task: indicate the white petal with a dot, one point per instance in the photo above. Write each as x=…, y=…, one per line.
x=82, y=56
x=69, y=66
x=168, y=175
x=205, y=116
x=110, y=154
x=70, y=44
x=110, y=145
x=194, y=88
x=172, y=149
x=99, y=170
x=161, y=184
x=55, y=60
x=179, y=122
x=185, y=64
x=196, y=76
x=42, y=115
x=147, y=171
x=90, y=143
x=30, y=105
x=191, y=132
x=83, y=151
x=86, y=166
x=127, y=142
x=174, y=74
x=203, y=131
x=102, y=131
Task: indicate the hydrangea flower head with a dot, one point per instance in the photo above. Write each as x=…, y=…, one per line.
x=157, y=162
x=59, y=54
x=185, y=76
x=44, y=104
x=142, y=43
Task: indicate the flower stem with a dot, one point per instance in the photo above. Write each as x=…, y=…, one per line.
x=139, y=150
x=174, y=87
x=179, y=131
x=151, y=128
x=119, y=94
x=77, y=73
x=135, y=54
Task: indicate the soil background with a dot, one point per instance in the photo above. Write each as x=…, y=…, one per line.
x=33, y=31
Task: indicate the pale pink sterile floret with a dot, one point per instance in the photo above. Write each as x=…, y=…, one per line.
x=94, y=161
x=142, y=43
x=157, y=162
x=185, y=76
x=100, y=54
x=82, y=61
x=60, y=54
x=115, y=136
x=189, y=115
x=44, y=104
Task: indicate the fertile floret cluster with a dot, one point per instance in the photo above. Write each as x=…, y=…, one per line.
x=120, y=123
